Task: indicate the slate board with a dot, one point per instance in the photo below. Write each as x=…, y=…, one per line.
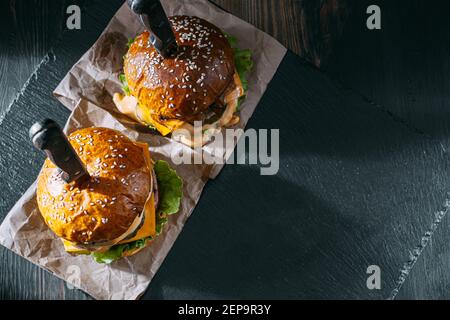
x=404, y=68
x=357, y=186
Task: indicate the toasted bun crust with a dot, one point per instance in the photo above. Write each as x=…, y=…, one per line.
x=184, y=86
x=103, y=207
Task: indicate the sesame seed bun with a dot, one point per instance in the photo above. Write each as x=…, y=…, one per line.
x=105, y=206
x=185, y=85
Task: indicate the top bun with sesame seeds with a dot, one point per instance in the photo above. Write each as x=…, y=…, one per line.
x=106, y=207
x=179, y=89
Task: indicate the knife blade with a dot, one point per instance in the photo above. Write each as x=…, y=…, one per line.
x=48, y=136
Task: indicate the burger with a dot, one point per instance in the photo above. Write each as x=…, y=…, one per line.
x=120, y=207
x=205, y=80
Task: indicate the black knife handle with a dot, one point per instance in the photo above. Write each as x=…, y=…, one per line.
x=155, y=19
x=48, y=136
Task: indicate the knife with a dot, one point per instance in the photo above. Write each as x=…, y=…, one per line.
x=155, y=20
x=48, y=136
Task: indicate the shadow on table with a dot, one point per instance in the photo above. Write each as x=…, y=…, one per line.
x=282, y=241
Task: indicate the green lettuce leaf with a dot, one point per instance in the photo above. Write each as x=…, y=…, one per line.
x=170, y=188
x=116, y=252
x=243, y=61
x=130, y=42
x=122, y=78
x=244, y=64
x=124, y=82
x=170, y=191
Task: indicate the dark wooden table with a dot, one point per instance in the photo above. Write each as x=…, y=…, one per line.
x=364, y=175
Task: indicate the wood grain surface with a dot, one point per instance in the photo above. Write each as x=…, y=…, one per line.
x=364, y=161
x=308, y=28
x=29, y=29
x=404, y=69
x=31, y=52
x=18, y=278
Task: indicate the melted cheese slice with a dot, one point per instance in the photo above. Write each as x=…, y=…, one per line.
x=164, y=128
x=128, y=105
x=71, y=248
x=149, y=227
